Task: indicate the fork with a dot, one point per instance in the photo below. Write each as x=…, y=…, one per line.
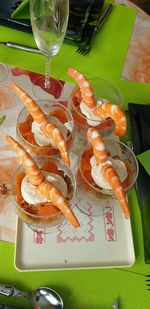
x=85, y=47
x=148, y=280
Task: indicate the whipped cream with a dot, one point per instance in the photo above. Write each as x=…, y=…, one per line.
x=92, y=120
x=39, y=136
x=96, y=173
x=32, y=196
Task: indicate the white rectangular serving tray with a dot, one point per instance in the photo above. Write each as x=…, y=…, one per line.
x=100, y=242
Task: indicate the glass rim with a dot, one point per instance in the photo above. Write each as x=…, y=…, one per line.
x=6, y=73
x=103, y=80
x=106, y=191
x=50, y=215
x=46, y=146
x=11, y=94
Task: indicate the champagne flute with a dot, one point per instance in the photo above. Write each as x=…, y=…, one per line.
x=49, y=19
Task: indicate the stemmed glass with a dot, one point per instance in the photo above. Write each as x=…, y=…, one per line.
x=49, y=19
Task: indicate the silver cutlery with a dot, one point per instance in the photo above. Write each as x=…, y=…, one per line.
x=84, y=48
x=148, y=282
x=41, y=298
x=21, y=47
x=115, y=304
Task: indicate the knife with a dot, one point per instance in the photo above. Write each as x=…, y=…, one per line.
x=103, y=17
x=115, y=304
x=91, y=30
x=21, y=47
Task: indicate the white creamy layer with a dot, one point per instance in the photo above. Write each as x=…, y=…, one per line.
x=39, y=136
x=92, y=120
x=96, y=174
x=32, y=196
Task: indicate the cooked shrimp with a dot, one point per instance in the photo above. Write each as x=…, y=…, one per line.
x=36, y=178
x=113, y=179
x=85, y=88
x=31, y=105
x=33, y=172
x=57, y=198
x=97, y=142
x=50, y=130
x=109, y=110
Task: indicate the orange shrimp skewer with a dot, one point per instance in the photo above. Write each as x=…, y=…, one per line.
x=113, y=179
x=85, y=88
x=33, y=172
x=47, y=189
x=49, y=129
x=97, y=142
x=36, y=178
x=113, y=111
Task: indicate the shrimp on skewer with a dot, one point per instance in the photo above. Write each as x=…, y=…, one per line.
x=113, y=179
x=36, y=178
x=113, y=111
x=97, y=142
x=85, y=88
x=34, y=174
x=48, y=129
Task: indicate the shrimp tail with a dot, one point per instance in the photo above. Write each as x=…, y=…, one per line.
x=47, y=189
x=85, y=88
x=34, y=174
x=109, y=110
x=113, y=179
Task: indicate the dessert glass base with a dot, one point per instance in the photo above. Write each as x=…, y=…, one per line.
x=53, y=92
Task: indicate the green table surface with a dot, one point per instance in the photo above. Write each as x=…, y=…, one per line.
x=90, y=288
x=106, y=58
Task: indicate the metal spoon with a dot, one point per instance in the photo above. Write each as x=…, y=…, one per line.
x=42, y=298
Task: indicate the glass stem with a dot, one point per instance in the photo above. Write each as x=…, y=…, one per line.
x=47, y=72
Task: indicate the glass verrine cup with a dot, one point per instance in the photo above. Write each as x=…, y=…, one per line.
x=34, y=214
x=103, y=90
x=53, y=109
x=91, y=199
x=3, y=72
x=7, y=98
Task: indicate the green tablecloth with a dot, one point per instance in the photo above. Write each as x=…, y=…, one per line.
x=86, y=289
x=80, y=289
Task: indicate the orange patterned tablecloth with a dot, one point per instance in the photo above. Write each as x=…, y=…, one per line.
x=137, y=64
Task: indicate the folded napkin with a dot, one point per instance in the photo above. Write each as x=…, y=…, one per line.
x=140, y=127
x=22, y=10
